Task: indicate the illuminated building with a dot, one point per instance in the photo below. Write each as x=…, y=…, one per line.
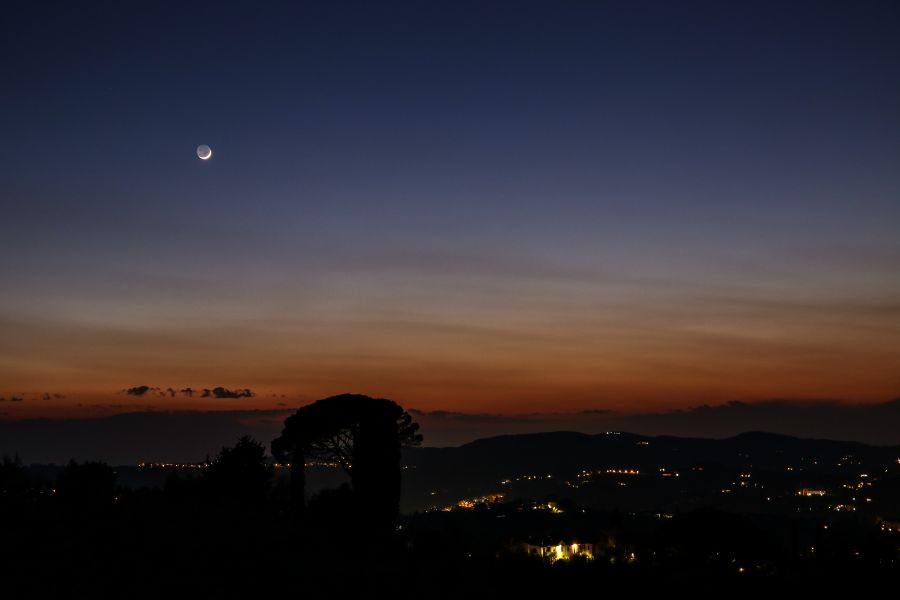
x=559, y=551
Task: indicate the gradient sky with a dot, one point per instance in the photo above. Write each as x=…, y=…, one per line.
x=470, y=206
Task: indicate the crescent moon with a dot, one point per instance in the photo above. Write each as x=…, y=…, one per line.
x=204, y=152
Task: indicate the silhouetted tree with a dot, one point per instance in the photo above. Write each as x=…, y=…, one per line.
x=87, y=485
x=364, y=436
x=240, y=474
x=13, y=478
x=376, y=467
x=335, y=511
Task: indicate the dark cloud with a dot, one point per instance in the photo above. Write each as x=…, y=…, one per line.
x=221, y=392
x=216, y=392
x=140, y=390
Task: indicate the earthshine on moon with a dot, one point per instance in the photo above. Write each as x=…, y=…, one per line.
x=204, y=152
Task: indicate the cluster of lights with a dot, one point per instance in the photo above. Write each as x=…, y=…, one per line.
x=858, y=486
x=549, y=506
x=328, y=464
x=311, y=463
x=622, y=472
x=156, y=465
x=468, y=503
x=563, y=551
x=525, y=478
x=890, y=526
x=849, y=459
x=589, y=473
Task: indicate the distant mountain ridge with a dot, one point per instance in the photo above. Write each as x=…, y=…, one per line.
x=188, y=436
x=569, y=449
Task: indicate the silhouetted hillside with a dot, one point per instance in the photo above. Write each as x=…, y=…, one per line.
x=438, y=475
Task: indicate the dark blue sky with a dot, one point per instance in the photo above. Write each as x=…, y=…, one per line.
x=465, y=204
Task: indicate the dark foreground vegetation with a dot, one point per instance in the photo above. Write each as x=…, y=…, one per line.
x=238, y=528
